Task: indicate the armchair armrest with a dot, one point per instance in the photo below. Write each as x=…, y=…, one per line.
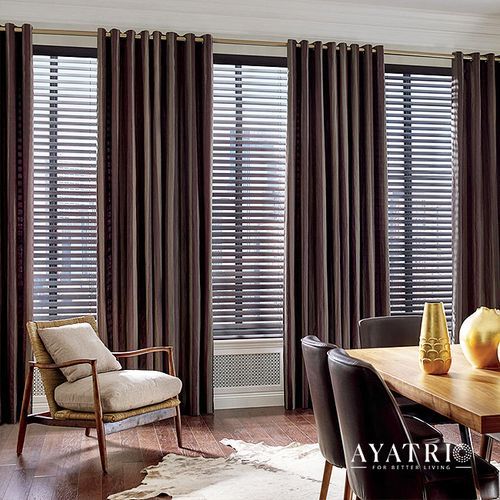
x=140, y=352
x=148, y=350
x=95, y=383
x=53, y=366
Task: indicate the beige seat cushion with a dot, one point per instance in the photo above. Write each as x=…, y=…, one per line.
x=77, y=341
x=120, y=391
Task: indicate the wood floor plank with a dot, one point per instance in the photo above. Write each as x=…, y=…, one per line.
x=42, y=488
x=63, y=464
x=150, y=446
x=20, y=484
x=6, y=472
x=166, y=436
x=207, y=444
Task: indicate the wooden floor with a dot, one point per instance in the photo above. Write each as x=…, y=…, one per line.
x=64, y=464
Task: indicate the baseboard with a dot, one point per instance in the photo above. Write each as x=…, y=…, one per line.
x=248, y=400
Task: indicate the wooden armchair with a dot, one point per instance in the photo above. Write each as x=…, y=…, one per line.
x=104, y=423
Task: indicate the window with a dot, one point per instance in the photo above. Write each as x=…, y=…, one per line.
x=419, y=140
x=65, y=150
x=250, y=114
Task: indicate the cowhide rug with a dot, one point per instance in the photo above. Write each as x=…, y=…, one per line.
x=253, y=471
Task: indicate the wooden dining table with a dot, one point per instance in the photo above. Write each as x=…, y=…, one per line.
x=467, y=395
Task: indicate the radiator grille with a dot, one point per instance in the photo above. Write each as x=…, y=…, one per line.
x=244, y=370
x=38, y=389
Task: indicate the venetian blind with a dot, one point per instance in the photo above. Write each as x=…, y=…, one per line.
x=419, y=142
x=249, y=163
x=65, y=148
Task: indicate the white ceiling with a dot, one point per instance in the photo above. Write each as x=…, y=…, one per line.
x=485, y=7
x=443, y=25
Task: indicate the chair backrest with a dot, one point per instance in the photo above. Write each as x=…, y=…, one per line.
x=316, y=362
x=51, y=378
x=389, y=331
x=368, y=415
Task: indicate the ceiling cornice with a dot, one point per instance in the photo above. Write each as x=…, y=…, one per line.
x=273, y=20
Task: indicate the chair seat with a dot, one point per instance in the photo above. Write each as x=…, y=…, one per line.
x=118, y=416
x=120, y=391
x=422, y=432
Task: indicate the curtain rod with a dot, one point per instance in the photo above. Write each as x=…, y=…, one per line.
x=236, y=41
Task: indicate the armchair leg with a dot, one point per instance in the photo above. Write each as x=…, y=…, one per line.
x=23, y=421
x=327, y=474
x=87, y=431
x=178, y=426
x=101, y=439
x=99, y=422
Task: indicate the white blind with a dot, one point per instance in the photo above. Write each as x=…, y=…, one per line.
x=420, y=184
x=65, y=148
x=250, y=108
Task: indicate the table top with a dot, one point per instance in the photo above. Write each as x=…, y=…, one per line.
x=468, y=395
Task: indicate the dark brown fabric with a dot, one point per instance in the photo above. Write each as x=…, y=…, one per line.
x=476, y=173
x=154, y=201
x=16, y=213
x=337, y=269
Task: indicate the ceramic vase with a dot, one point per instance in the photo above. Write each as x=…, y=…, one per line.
x=480, y=338
x=434, y=345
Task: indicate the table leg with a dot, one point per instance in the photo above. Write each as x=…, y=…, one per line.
x=486, y=447
x=467, y=439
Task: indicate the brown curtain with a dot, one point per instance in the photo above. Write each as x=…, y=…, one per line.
x=154, y=202
x=476, y=105
x=337, y=269
x=16, y=213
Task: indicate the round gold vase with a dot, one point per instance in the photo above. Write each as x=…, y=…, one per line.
x=434, y=345
x=480, y=338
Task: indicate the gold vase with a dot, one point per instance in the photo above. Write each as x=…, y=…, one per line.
x=434, y=346
x=480, y=338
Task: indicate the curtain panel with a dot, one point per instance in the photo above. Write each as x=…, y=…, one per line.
x=337, y=266
x=154, y=202
x=16, y=213
x=476, y=190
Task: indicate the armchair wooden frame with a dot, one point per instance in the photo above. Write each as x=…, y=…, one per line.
x=103, y=423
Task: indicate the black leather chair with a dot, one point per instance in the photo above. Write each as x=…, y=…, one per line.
x=368, y=414
x=389, y=331
x=316, y=362
x=327, y=425
x=398, y=331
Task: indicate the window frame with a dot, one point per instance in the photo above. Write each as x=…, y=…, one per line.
x=64, y=51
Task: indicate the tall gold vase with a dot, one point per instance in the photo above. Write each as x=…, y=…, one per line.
x=434, y=345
